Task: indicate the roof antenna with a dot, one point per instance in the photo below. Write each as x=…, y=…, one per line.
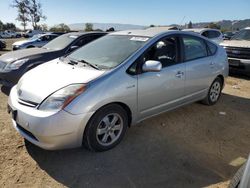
x=182, y=21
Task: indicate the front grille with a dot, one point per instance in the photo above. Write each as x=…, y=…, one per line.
x=27, y=103
x=26, y=132
x=237, y=52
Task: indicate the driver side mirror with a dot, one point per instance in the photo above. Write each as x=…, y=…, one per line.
x=152, y=66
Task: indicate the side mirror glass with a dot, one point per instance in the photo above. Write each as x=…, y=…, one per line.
x=152, y=66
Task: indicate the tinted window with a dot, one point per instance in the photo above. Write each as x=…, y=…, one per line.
x=194, y=48
x=164, y=51
x=242, y=35
x=211, y=48
x=86, y=40
x=211, y=34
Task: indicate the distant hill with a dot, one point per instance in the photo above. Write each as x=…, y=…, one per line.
x=224, y=24
x=105, y=26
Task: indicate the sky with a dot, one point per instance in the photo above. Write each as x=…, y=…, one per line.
x=139, y=12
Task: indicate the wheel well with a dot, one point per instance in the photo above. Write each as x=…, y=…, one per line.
x=125, y=107
x=222, y=78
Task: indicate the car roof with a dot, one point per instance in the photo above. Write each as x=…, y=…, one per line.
x=199, y=30
x=145, y=32
x=83, y=33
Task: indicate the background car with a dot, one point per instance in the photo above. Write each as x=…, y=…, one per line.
x=228, y=35
x=31, y=33
x=92, y=95
x=14, y=64
x=238, y=51
x=2, y=44
x=212, y=34
x=4, y=35
x=35, y=41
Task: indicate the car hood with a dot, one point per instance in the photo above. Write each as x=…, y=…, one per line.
x=20, y=54
x=45, y=79
x=236, y=43
x=19, y=43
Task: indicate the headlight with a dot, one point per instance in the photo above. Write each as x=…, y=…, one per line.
x=61, y=98
x=16, y=64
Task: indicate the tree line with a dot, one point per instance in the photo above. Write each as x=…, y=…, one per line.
x=29, y=11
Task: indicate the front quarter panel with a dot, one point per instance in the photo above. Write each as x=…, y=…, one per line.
x=115, y=86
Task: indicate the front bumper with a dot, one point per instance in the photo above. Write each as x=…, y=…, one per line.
x=48, y=130
x=240, y=65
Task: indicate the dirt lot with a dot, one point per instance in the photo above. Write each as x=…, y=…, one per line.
x=193, y=146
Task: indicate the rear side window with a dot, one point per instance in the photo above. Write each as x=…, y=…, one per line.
x=194, y=48
x=211, y=48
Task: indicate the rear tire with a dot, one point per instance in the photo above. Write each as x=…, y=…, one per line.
x=214, y=92
x=235, y=182
x=106, y=128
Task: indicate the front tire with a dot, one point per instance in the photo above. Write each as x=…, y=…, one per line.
x=106, y=128
x=214, y=92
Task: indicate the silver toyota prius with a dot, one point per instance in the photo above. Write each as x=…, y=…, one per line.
x=91, y=96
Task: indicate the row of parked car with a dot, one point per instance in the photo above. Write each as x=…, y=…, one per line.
x=12, y=34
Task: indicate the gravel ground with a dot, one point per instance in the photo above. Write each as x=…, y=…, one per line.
x=193, y=146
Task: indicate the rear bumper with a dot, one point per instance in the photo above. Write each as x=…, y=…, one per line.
x=48, y=130
x=240, y=65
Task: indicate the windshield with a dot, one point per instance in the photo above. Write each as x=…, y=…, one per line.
x=60, y=42
x=242, y=35
x=35, y=37
x=108, y=51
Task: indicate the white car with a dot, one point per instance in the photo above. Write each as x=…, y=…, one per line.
x=238, y=51
x=212, y=34
x=35, y=41
x=4, y=35
x=31, y=33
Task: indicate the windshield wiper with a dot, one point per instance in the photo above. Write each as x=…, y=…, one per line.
x=89, y=64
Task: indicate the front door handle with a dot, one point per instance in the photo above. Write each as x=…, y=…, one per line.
x=179, y=74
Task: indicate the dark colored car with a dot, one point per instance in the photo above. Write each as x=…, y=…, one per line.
x=2, y=44
x=14, y=64
x=228, y=35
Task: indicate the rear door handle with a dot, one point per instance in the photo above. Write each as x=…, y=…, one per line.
x=179, y=74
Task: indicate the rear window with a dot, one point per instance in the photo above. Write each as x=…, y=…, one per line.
x=211, y=34
x=194, y=48
x=212, y=48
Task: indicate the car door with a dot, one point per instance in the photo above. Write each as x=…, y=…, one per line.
x=158, y=91
x=199, y=66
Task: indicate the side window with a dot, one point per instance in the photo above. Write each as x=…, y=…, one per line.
x=211, y=34
x=215, y=34
x=164, y=51
x=86, y=40
x=52, y=37
x=194, y=48
x=205, y=34
x=211, y=48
